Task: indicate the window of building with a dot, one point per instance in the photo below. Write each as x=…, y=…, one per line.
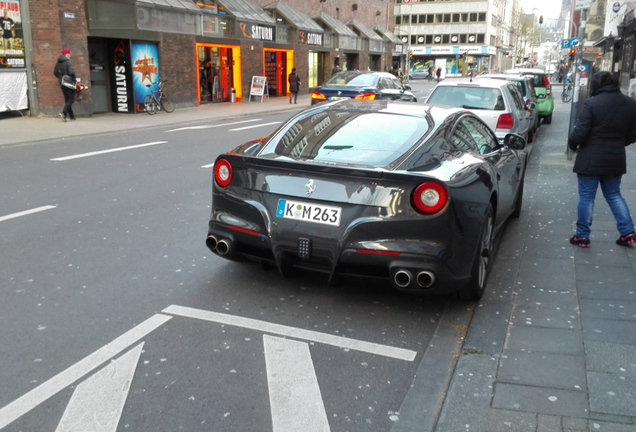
x=455, y=17
x=481, y=17
x=492, y=40
x=447, y=18
x=413, y=19
x=439, y=18
x=437, y=39
x=429, y=39
x=420, y=39
x=421, y=19
x=445, y=39
x=462, y=38
x=464, y=17
x=493, y=20
x=473, y=17
x=430, y=18
x=398, y=19
x=480, y=38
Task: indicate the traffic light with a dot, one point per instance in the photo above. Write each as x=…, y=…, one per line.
x=540, y=19
x=572, y=52
x=410, y=55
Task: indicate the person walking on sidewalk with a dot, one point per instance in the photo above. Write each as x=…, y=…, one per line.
x=294, y=86
x=64, y=67
x=605, y=126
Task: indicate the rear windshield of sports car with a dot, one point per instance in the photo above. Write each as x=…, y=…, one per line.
x=359, y=138
x=352, y=80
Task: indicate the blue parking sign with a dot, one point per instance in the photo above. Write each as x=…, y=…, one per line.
x=565, y=43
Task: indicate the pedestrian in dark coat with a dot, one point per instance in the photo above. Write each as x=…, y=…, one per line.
x=63, y=67
x=294, y=86
x=605, y=126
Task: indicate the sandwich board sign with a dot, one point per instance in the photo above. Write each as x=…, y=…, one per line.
x=259, y=87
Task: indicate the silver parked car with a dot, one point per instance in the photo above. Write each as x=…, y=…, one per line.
x=526, y=88
x=497, y=102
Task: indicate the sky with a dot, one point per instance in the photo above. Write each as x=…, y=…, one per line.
x=547, y=8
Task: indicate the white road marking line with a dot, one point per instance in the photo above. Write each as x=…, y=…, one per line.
x=208, y=166
x=83, y=155
x=267, y=327
x=97, y=403
x=255, y=126
x=294, y=394
x=35, y=397
x=26, y=212
x=213, y=126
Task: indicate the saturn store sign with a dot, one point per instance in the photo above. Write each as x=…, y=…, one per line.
x=257, y=32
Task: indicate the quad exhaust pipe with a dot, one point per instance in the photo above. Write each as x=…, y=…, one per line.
x=424, y=279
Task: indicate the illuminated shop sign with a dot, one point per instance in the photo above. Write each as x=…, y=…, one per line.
x=257, y=32
x=309, y=38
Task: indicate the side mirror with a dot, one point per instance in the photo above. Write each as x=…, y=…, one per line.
x=514, y=141
x=406, y=87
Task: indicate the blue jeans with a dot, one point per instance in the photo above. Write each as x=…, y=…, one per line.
x=611, y=188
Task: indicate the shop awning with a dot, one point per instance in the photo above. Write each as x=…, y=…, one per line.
x=295, y=17
x=337, y=26
x=388, y=35
x=365, y=31
x=186, y=5
x=246, y=10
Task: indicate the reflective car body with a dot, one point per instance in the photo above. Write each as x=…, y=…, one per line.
x=365, y=85
x=526, y=88
x=407, y=192
x=419, y=74
x=542, y=88
x=496, y=102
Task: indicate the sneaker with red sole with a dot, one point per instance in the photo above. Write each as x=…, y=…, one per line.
x=580, y=242
x=627, y=239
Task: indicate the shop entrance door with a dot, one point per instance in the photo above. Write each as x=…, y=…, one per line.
x=276, y=71
x=98, y=63
x=216, y=73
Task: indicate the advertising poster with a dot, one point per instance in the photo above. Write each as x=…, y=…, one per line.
x=121, y=76
x=145, y=60
x=11, y=39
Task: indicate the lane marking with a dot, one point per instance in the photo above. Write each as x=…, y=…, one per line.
x=294, y=394
x=83, y=155
x=26, y=212
x=41, y=393
x=97, y=403
x=283, y=330
x=255, y=126
x=213, y=126
x=208, y=166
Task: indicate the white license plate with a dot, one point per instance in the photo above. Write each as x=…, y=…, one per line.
x=309, y=212
x=338, y=97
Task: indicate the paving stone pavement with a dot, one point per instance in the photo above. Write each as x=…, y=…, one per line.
x=552, y=345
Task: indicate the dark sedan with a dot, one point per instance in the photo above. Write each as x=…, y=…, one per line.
x=362, y=86
x=411, y=193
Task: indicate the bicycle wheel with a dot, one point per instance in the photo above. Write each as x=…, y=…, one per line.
x=566, y=96
x=150, y=104
x=167, y=103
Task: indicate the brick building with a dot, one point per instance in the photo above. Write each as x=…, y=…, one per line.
x=208, y=51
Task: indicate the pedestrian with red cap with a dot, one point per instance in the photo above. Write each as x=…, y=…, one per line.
x=65, y=73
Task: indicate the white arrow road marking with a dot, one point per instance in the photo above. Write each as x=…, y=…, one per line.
x=282, y=330
x=83, y=155
x=35, y=397
x=294, y=394
x=97, y=403
x=26, y=212
x=255, y=126
x=213, y=126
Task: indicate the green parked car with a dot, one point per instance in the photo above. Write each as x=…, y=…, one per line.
x=542, y=88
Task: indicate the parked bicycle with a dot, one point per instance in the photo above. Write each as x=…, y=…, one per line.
x=568, y=90
x=158, y=99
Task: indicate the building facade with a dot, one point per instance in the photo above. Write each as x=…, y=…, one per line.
x=206, y=51
x=458, y=36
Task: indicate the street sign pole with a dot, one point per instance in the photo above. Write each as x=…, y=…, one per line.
x=577, y=79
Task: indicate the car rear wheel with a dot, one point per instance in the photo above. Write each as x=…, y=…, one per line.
x=547, y=119
x=481, y=266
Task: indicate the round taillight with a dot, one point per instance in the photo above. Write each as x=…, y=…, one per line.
x=430, y=197
x=223, y=172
